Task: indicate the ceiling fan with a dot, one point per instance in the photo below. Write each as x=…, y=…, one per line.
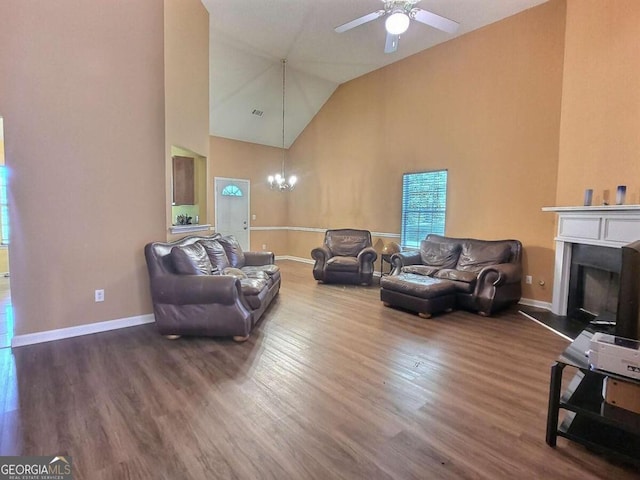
x=399, y=14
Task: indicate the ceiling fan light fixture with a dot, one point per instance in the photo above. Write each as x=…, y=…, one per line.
x=397, y=23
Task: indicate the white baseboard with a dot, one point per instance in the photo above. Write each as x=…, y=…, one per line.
x=295, y=259
x=69, y=332
x=535, y=303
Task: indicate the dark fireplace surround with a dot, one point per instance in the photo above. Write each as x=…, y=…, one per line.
x=594, y=281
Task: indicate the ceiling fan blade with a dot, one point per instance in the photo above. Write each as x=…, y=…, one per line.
x=435, y=21
x=391, y=44
x=359, y=21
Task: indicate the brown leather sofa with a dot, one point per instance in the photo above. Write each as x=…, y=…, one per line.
x=486, y=274
x=346, y=257
x=208, y=286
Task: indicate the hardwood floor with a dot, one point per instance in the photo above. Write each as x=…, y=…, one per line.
x=331, y=384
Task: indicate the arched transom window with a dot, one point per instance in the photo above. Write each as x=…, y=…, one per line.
x=231, y=190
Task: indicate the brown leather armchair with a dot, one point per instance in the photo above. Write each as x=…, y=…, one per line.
x=346, y=257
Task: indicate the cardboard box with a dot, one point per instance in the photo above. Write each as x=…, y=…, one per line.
x=623, y=394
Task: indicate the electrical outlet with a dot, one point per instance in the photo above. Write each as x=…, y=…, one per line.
x=264, y=246
x=253, y=217
x=528, y=279
x=99, y=295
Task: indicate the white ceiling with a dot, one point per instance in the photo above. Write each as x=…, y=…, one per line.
x=248, y=39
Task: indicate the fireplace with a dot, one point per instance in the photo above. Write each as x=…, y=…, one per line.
x=594, y=281
x=592, y=273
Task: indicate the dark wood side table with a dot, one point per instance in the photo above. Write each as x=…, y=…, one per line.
x=385, y=258
x=588, y=419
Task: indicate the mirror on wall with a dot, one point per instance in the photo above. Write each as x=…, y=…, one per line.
x=189, y=187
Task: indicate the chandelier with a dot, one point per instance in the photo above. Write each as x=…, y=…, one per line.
x=279, y=181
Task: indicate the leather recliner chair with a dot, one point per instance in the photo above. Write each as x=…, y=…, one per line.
x=346, y=257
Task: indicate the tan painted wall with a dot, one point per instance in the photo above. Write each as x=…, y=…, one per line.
x=600, y=139
x=82, y=99
x=186, y=57
x=4, y=251
x=486, y=106
x=4, y=260
x=235, y=159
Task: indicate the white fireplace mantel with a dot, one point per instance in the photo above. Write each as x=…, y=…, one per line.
x=605, y=226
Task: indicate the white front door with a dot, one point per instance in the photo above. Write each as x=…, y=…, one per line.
x=232, y=208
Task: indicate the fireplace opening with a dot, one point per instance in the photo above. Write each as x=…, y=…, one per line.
x=594, y=282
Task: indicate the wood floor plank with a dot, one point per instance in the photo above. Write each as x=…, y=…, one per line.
x=331, y=384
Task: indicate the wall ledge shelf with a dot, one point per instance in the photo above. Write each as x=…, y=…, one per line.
x=189, y=228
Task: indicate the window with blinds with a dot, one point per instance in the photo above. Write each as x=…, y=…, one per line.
x=424, y=206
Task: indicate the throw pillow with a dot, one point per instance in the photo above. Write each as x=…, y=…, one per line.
x=233, y=250
x=475, y=256
x=441, y=255
x=191, y=260
x=217, y=255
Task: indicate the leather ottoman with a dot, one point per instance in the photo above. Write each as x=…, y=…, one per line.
x=418, y=293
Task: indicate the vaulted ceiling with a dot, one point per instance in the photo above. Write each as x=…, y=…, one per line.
x=249, y=38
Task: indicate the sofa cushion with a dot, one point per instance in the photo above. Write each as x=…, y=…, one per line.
x=425, y=270
x=233, y=250
x=343, y=264
x=441, y=255
x=464, y=282
x=457, y=275
x=257, y=274
x=270, y=270
x=256, y=271
x=252, y=286
x=191, y=260
x=477, y=255
x=217, y=255
x=234, y=272
x=254, y=291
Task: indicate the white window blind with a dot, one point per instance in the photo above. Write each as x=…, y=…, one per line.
x=424, y=206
